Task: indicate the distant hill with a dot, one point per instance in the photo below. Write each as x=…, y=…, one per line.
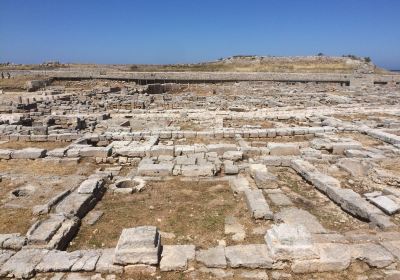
x=302, y=64
x=239, y=63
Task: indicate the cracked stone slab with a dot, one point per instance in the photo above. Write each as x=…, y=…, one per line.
x=280, y=199
x=257, y=204
x=239, y=184
x=332, y=257
x=176, y=257
x=374, y=255
x=76, y=204
x=287, y=242
x=295, y=216
x=58, y=261
x=42, y=231
x=87, y=261
x=248, y=256
x=105, y=263
x=12, y=241
x=23, y=263
x=385, y=204
x=5, y=255
x=212, y=257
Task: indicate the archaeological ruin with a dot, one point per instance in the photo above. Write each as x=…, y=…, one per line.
x=130, y=174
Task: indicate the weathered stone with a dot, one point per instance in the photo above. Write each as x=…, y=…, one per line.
x=90, y=186
x=280, y=199
x=265, y=180
x=87, y=261
x=5, y=255
x=283, y=149
x=355, y=167
x=298, y=217
x=105, y=263
x=385, y=204
x=139, y=245
x=257, y=204
x=12, y=241
x=28, y=153
x=76, y=204
x=233, y=155
x=373, y=254
x=219, y=273
x=248, y=256
x=23, y=263
x=239, y=184
x=5, y=154
x=58, y=261
x=92, y=217
x=141, y=269
x=254, y=275
x=206, y=170
x=221, y=148
x=230, y=168
x=287, y=242
x=176, y=257
x=42, y=231
x=333, y=257
x=162, y=169
x=212, y=257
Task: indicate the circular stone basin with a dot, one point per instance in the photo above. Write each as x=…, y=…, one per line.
x=129, y=185
x=23, y=191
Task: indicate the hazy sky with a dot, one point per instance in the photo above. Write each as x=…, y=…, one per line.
x=177, y=31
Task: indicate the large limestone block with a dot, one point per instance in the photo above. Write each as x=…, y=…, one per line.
x=333, y=257
x=161, y=169
x=57, y=261
x=206, y=170
x=76, y=204
x=373, y=254
x=257, y=204
x=212, y=257
x=287, y=242
x=28, y=153
x=23, y=263
x=283, y=149
x=300, y=217
x=176, y=257
x=248, y=256
x=139, y=245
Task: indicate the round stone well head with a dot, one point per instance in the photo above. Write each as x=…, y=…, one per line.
x=129, y=185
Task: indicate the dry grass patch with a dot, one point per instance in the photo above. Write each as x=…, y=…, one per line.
x=45, y=167
x=194, y=211
x=17, y=83
x=365, y=140
x=17, y=145
x=306, y=197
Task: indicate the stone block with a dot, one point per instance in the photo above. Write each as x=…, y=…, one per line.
x=176, y=257
x=161, y=169
x=248, y=256
x=286, y=242
x=212, y=257
x=28, y=153
x=257, y=204
x=139, y=245
x=283, y=149
x=22, y=264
